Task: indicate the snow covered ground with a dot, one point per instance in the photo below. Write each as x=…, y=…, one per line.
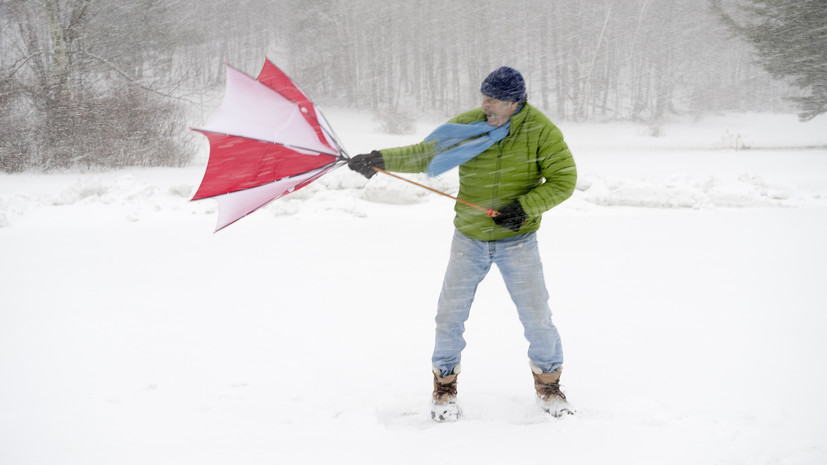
x=687, y=276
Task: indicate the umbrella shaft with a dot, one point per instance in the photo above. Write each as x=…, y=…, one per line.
x=488, y=211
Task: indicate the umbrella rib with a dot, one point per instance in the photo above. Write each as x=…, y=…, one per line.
x=333, y=154
x=326, y=168
x=329, y=132
x=321, y=171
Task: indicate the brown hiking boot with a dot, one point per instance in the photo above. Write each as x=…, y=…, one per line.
x=444, y=400
x=549, y=396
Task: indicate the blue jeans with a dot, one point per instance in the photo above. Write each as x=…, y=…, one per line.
x=518, y=260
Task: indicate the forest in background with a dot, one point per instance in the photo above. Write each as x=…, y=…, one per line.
x=91, y=83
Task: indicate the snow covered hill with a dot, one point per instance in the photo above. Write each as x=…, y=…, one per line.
x=686, y=273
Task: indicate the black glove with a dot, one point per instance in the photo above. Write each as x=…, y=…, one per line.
x=512, y=216
x=364, y=163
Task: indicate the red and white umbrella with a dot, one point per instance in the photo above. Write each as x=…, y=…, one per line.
x=267, y=139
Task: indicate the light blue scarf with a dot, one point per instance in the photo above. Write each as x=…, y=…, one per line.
x=458, y=143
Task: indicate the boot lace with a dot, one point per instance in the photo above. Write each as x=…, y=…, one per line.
x=443, y=390
x=548, y=390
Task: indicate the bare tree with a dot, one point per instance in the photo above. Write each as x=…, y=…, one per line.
x=73, y=99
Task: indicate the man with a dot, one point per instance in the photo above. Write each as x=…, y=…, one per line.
x=513, y=160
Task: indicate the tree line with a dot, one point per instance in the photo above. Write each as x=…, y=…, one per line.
x=91, y=83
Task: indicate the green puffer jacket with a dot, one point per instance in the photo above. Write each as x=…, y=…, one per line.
x=532, y=164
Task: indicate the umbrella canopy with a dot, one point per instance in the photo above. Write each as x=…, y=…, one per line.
x=267, y=139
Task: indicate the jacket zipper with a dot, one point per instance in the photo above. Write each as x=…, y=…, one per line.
x=496, y=191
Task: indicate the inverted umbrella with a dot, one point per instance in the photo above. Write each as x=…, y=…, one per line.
x=267, y=139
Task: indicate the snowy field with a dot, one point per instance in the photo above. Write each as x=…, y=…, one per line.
x=687, y=276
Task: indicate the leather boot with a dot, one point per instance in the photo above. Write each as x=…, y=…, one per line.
x=549, y=396
x=444, y=399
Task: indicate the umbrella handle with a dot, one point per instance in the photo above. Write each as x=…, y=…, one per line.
x=488, y=211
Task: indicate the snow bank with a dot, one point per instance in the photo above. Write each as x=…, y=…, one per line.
x=690, y=165
x=146, y=191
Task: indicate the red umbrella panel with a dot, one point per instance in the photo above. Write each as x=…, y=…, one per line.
x=267, y=139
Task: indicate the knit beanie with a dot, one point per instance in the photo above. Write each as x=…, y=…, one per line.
x=504, y=84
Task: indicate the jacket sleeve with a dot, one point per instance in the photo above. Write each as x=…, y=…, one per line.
x=409, y=159
x=559, y=172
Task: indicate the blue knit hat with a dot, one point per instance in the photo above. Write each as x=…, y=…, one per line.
x=504, y=84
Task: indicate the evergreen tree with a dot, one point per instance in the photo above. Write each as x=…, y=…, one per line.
x=791, y=40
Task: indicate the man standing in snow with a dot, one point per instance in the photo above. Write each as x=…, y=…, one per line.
x=511, y=159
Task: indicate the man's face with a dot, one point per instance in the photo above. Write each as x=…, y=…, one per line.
x=498, y=112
